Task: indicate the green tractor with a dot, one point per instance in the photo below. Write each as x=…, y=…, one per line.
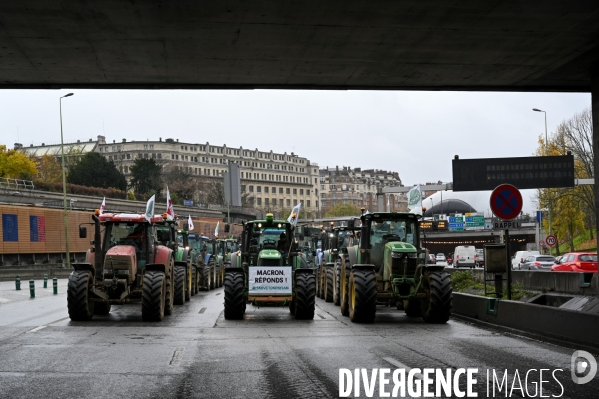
x=269, y=271
x=206, y=261
x=389, y=267
x=186, y=258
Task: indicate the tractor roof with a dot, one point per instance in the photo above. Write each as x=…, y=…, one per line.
x=391, y=215
x=129, y=217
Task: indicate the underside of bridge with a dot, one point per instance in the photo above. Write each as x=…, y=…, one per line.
x=502, y=45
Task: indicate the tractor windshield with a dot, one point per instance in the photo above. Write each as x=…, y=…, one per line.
x=127, y=234
x=393, y=230
x=231, y=246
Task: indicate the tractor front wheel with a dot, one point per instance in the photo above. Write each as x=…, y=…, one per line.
x=437, y=306
x=153, y=296
x=234, y=300
x=179, y=285
x=362, y=296
x=78, y=302
x=305, y=296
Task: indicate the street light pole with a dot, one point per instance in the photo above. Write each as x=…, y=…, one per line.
x=64, y=187
x=546, y=154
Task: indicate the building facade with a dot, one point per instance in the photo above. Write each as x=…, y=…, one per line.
x=359, y=187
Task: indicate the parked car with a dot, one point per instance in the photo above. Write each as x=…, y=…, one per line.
x=480, y=257
x=577, y=262
x=441, y=258
x=538, y=262
x=464, y=256
x=519, y=257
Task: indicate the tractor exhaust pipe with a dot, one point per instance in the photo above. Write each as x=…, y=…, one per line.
x=98, y=248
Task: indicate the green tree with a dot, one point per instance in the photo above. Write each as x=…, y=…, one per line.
x=93, y=170
x=16, y=164
x=146, y=177
x=342, y=209
x=49, y=170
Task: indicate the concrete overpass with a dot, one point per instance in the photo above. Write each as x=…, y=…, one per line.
x=506, y=45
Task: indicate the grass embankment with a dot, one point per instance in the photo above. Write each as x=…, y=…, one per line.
x=465, y=282
x=582, y=242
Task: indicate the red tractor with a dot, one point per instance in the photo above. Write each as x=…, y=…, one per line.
x=128, y=265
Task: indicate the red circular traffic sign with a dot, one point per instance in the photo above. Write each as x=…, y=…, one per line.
x=506, y=201
x=551, y=240
x=542, y=243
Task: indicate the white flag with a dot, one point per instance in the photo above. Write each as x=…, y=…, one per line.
x=170, y=212
x=415, y=200
x=189, y=223
x=150, y=208
x=296, y=210
x=103, y=206
x=216, y=230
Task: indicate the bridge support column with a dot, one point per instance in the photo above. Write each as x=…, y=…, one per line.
x=595, y=114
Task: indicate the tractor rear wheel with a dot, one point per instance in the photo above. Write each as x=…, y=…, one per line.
x=320, y=283
x=169, y=298
x=329, y=284
x=153, y=296
x=344, y=290
x=205, y=278
x=221, y=275
x=362, y=296
x=179, y=285
x=78, y=304
x=234, y=300
x=337, y=284
x=102, y=308
x=437, y=306
x=305, y=296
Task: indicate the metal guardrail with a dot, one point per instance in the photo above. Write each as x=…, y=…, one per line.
x=16, y=184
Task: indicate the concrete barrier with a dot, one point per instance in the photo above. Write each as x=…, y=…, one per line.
x=7, y=274
x=560, y=326
x=544, y=281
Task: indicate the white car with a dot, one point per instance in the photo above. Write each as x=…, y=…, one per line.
x=441, y=258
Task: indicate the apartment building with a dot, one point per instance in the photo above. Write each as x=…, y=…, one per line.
x=358, y=187
x=278, y=181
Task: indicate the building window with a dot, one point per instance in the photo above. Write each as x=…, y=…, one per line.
x=288, y=191
x=274, y=202
x=308, y=202
x=274, y=190
x=301, y=191
x=266, y=190
x=146, y=156
x=251, y=189
x=280, y=190
x=258, y=201
x=288, y=202
x=266, y=201
x=295, y=191
x=258, y=189
x=308, y=193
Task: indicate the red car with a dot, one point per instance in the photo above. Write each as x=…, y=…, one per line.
x=576, y=262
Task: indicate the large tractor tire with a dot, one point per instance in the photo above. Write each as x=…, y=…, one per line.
x=213, y=282
x=305, y=296
x=362, y=296
x=234, y=300
x=194, y=280
x=337, y=284
x=319, y=284
x=437, y=306
x=169, y=298
x=205, y=278
x=329, y=281
x=78, y=302
x=221, y=275
x=102, y=308
x=188, y=283
x=179, y=285
x=344, y=296
x=152, y=297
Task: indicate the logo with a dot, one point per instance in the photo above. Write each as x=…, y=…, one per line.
x=583, y=367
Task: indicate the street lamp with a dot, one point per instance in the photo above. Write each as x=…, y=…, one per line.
x=64, y=187
x=546, y=154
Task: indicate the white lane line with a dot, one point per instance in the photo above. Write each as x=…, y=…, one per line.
x=36, y=329
x=4, y=300
x=402, y=366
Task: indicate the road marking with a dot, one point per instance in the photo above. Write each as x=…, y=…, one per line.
x=402, y=366
x=321, y=316
x=202, y=310
x=56, y=321
x=218, y=294
x=36, y=329
x=176, y=357
x=4, y=300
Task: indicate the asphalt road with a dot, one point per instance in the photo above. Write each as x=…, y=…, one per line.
x=196, y=353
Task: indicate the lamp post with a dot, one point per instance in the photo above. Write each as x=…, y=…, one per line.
x=546, y=154
x=64, y=187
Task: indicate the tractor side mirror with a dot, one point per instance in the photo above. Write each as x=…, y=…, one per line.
x=82, y=232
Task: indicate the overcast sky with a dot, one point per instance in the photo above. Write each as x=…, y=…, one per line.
x=413, y=133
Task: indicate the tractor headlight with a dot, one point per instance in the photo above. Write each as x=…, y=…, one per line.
x=396, y=254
